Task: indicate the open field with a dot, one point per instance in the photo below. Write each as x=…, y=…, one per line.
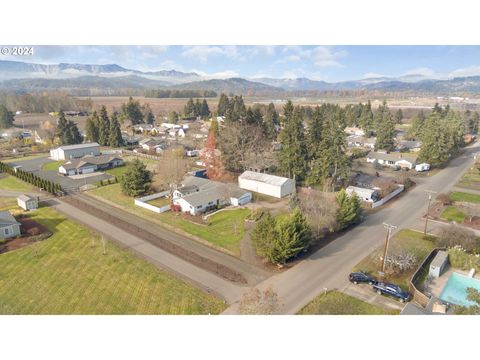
x=22, y=158
x=451, y=213
x=68, y=274
x=405, y=240
x=466, y=197
x=7, y=203
x=224, y=230
x=10, y=182
x=337, y=303
x=32, y=121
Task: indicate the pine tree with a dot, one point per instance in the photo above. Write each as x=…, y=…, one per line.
x=189, y=109
x=205, y=110
x=61, y=128
x=223, y=105
x=103, y=127
x=150, y=118
x=91, y=128
x=398, y=116
x=416, y=130
x=349, y=210
x=366, y=119
x=270, y=122
x=6, y=117
x=132, y=111
x=136, y=179
x=292, y=156
x=385, y=128
x=115, y=138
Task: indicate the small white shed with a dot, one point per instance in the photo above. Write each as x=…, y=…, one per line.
x=27, y=202
x=438, y=264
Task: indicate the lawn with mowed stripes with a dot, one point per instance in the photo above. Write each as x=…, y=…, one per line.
x=68, y=274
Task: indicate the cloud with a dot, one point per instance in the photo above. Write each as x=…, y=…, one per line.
x=467, y=71
x=319, y=56
x=202, y=53
x=217, y=75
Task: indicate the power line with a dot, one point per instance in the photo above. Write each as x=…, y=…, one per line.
x=389, y=228
x=430, y=193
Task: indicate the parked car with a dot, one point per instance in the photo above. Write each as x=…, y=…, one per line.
x=360, y=277
x=393, y=290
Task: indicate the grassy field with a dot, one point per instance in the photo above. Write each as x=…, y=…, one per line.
x=451, y=213
x=405, y=240
x=471, y=179
x=160, y=202
x=52, y=166
x=68, y=274
x=466, y=197
x=7, y=203
x=12, y=183
x=225, y=229
x=337, y=303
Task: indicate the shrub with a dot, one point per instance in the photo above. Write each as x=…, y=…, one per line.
x=462, y=260
x=453, y=235
x=444, y=199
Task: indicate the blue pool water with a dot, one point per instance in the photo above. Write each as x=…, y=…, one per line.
x=455, y=291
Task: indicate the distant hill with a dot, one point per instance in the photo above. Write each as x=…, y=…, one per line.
x=109, y=78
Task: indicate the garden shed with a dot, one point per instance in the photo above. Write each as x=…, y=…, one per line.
x=438, y=264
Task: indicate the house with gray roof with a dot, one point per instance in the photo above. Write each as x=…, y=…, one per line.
x=69, y=152
x=392, y=159
x=272, y=185
x=90, y=164
x=198, y=195
x=9, y=227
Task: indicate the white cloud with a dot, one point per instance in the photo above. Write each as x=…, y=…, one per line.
x=371, y=75
x=217, y=75
x=319, y=56
x=202, y=53
x=424, y=71
x=468, y=71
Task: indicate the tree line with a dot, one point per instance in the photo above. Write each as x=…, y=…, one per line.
x=49, y=186
x=66, y=131
x=196, y=108
x=103, y=129
x=167, y=93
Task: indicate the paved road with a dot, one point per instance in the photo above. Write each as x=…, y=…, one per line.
x=329, y=266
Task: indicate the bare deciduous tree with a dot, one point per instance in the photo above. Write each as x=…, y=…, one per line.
x=320, y=209
x=386, y=186
x=171, y=169
x=256, y=302
x=454, y=235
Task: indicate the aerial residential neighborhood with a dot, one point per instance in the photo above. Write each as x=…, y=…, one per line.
x=238, y=202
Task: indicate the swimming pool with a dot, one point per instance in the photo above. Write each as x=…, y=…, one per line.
x=455, y=291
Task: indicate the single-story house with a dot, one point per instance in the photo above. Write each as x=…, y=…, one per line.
x=151, y=144
x=27, y=202
x=90, y=164
x=267, y=184
x=198, y=195
x=354, y=131
x=9, y=227
x=361, y=141
x=69, y=152
x=410, y=145
x=392, y=159
x=365, y=194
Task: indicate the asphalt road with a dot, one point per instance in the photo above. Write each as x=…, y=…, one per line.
x=328, y=268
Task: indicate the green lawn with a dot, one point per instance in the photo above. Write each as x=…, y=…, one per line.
x=471, y=179
x=337, y=303
x=407, y=240
x=117, y=172
x=7, y=203
x=225, y=230
x=451, y=213
x=52, y=166
x=68, y=274
x=463, y=196
x=10, y=182
x=160, y=202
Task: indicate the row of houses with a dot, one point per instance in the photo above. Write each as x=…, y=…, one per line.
x=397, y=160
x=164, y=129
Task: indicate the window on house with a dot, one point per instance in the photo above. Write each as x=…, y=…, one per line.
x=6, y=231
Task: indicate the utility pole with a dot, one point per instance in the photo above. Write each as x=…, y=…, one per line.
x=430, y=193
x=387, y=242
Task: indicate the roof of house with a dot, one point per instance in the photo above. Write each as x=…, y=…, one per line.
x=439, y=259
x=25, y=198
x=89, y=161
x=391, y=157
x=361, y=192
x=7, y=219
x=188, y=188
x=202, y=197
x=79, y=146
x=264, y=178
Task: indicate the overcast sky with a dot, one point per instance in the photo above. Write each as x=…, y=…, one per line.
x=329, y=63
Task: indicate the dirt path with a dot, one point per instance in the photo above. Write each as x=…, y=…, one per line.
x=247, y=251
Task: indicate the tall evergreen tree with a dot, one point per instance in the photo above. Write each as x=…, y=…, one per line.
x=91, y=128
x=6, y=117
x=416, y=130
x=271, y=122
x=349, y=210
x=223, y=105
x=136, y=179
x=399, y=116
x=115, y=138
x=61, y=128
x=204, y=110
x=366, y=119
x=385, y=128
x=104, y=127
x=292, y=156
x=132, y=111
x=189, y=108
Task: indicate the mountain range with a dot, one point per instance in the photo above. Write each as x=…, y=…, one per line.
x=22, y=76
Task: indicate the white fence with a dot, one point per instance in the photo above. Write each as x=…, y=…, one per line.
x=142, y=202
x=388, y=197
